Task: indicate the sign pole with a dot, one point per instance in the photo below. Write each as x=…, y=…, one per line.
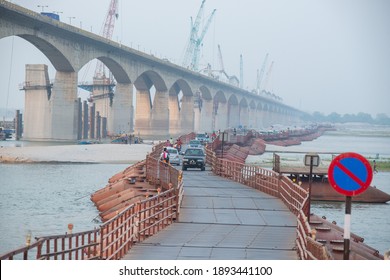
x=349, y=174
x=223, y=139
x=311, y=159
x=347, y=226
x=310, y=181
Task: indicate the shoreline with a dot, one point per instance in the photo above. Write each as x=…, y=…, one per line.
x=76, y=154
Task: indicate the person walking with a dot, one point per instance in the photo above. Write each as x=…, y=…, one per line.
x=374, y=167
x=165, y=156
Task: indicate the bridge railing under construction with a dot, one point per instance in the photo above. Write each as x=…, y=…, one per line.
x=277, y=185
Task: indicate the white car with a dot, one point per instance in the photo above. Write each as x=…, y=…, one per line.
x=174, y=157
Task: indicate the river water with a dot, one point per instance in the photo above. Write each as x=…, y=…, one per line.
x=44, y=198
x=370, y=221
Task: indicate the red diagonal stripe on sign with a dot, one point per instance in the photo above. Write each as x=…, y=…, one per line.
x=350, y=174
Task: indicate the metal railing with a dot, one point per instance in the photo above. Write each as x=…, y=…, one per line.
x=114, y=238
x=277, y=185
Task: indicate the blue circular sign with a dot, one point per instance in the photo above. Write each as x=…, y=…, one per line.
x=350, y=174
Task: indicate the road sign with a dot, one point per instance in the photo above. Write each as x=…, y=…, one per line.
x=350, y=174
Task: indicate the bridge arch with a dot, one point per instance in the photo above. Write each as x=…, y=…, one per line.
x=203, y=109
x=233, y=113
x=57, y=58
x=260, y=115
x=67, y=47
x=116, y=69
x=271, y=113
x=152, y=109
x=219, y=113
x=113, y=100
x=45, y=95
x=243, y=110
x=252, y=122
x=150, y=78
x=205, y=93
x=181, y=107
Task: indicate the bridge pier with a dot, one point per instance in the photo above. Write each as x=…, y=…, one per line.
x=143, y=111
x=64, y=107
x=159, y=121
x=259, y=118
x=174, y=115
x=221, y=117
x=37, y=116
x=244, y=116
x=186, y=115
x=120, y=118
x=206, y=116
x=252, y=122
x=51, y=112
x=266, y=118
x=85, y=120
x=152, y=121
x=233, y=115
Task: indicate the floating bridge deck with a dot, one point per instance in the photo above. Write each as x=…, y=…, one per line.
x=221, y=219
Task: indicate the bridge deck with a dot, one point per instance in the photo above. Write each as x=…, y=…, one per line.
x=222, y=219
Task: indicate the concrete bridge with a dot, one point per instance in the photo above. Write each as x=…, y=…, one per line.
x=170, y=100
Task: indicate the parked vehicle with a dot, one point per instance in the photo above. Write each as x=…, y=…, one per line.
x=174, y=157
x=194, y=158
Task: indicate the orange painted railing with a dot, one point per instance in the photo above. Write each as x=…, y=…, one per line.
x=114, y=238
x=272, y=183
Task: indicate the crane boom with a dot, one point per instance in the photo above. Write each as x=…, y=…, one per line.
x=193, y=36
x=241, y=72
x=191, y=56
x=261, y=73
x=206, y=27
x=220, y=58
x=107, y=31
x=268, y=75
x=195, y=57
x=195, y=25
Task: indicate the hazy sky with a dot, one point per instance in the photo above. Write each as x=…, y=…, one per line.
x=329, y=55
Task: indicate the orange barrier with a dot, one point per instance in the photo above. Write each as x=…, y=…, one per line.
x=272, y=183
x=137, y=203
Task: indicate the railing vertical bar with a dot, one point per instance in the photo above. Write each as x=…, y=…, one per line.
x=55, y=248
x=70, y=240
x=63, y=248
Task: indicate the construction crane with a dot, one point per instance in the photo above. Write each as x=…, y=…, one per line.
x=260, y=74
x=268, y=75
x=230, y=79
x=222, y=70
x=107, y=31
x=241, y=72
x=103, y=86
x=191, y=57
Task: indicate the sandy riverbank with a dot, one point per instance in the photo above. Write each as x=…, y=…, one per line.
x=96, y=153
